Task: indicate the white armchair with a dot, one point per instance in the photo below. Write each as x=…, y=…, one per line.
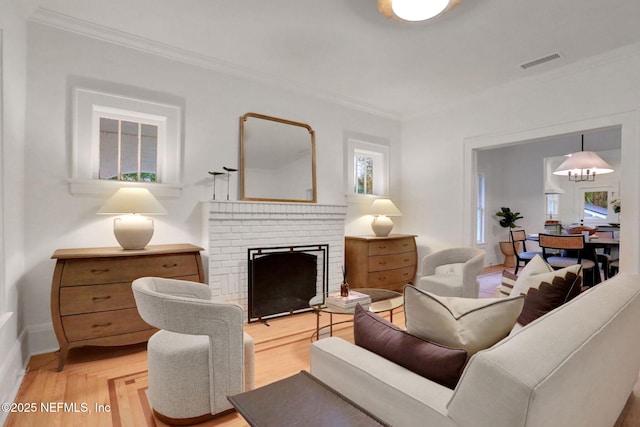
x=452, y=272
x=200, y=355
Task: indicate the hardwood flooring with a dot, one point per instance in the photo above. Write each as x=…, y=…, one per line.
x=110, y=382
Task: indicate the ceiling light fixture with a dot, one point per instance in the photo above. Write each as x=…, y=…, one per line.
x=415, y=10
x=583, y=166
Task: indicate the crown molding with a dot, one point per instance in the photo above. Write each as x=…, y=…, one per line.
x=88, y=29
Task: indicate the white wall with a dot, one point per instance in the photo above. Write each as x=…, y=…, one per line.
x=438, y=149
x=12, y=139
x=213, y=101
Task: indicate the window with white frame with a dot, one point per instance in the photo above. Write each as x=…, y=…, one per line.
x=553, y=205
x=480, y=209
x=119, y=139
x=368, y=171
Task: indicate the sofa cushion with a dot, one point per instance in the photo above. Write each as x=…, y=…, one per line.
x=435, y=362
x=469, y=323
x=547, y=291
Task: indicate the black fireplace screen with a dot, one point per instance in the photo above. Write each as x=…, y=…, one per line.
x=282, y=280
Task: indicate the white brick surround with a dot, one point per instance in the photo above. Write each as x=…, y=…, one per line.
x=236, y=226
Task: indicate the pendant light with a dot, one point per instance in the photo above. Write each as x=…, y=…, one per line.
x=583, y=166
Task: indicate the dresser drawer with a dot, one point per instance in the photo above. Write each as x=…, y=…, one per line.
x=388, y=277
x=390, y=262
x=89, y=299
x=392, y=246
x=104, y=324
x=126, y=269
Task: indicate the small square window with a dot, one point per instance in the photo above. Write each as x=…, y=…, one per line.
x=118, y=139
x=368, y=171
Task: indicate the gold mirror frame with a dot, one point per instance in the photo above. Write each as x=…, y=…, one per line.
x=273, y=144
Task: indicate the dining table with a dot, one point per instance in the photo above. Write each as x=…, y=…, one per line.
x=589, y=252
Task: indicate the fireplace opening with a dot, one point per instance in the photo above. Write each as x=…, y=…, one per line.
x=283, y=280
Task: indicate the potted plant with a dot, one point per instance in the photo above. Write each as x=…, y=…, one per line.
x=507, y=219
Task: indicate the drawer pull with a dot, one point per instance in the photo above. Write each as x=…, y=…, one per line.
x=405, y=274
x=382, y=247
x=170, y=265
x=382, y=279
x=382, y=263
x=101, y=325
x=96, y=299
x=100, y=270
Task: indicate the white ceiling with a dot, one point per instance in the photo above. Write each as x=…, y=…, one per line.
x=346, y=50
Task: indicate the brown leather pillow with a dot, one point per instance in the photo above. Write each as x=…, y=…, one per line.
x=438, y=363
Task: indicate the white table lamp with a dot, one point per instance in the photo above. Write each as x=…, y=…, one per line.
x=383, y=209
x=132, y=229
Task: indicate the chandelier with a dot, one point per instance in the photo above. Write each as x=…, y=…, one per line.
x=583, y=166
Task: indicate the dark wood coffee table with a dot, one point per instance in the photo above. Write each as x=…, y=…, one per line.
x=300, y=400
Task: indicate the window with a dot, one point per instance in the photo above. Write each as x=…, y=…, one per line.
x=368, y=169
x=128, y=150
x=480, y=210
x=595, y=205
x=119, y=139
x=553, y=205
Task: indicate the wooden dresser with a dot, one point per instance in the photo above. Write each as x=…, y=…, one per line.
x=91, y=298
x=381, y=262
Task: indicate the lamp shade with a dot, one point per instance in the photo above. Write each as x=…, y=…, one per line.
x=384, y=207
x=583, y=163
x=132, y=200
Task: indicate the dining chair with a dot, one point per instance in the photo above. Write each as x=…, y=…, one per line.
x=561, y=251
x=522, y=256
x=604, y=257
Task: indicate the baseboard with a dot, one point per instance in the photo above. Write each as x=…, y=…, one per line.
x=41, y=339
x=12, y=370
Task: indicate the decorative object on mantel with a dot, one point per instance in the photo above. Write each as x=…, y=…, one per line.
x=583, y=166
x=344, y=286
x=413, y=11
x=132, y=229
x=214, y=174
x=383, y=209
x=229, y=170
x=508, y=220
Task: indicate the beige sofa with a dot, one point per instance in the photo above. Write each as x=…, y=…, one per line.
x=575, y=366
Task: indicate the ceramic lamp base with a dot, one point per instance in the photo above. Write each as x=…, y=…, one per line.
x=382, y=225
x=133, y=231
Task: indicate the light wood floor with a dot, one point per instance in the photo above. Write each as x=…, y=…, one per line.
x=95, y=377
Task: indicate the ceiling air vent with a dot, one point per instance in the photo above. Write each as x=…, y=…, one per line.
x=540, y=61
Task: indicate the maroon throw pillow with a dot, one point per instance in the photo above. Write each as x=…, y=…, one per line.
x=440, y=364
x=549, y=296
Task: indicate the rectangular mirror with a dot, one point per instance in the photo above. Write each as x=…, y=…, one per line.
x=278, y=159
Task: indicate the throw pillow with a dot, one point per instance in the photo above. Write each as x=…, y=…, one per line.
x=435, y=362
x=537, y=265
x=508, y=281
x=469, y=323
x=544, y=292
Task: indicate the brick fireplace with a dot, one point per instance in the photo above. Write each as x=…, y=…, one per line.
x=233, y=227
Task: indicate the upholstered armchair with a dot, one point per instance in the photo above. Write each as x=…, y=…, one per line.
x=200, y=355
x=452, y=272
